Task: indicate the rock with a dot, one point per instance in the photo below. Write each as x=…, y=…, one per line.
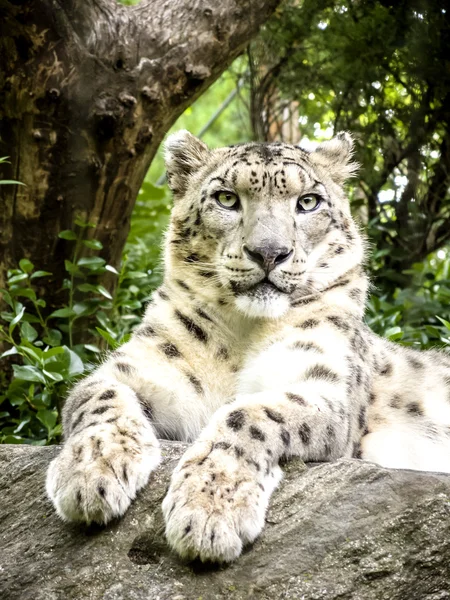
x=347, y=530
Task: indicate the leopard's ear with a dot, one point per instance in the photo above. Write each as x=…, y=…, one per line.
x=335, y=157
x=184, y=154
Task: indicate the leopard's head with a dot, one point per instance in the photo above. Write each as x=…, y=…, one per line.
x=260, y=226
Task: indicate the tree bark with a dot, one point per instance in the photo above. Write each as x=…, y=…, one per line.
x=88, y=88
x=348, y=530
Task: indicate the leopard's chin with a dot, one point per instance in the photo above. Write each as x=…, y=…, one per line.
x=264, y=301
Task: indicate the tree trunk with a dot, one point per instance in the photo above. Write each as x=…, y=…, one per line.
x=88, y=88
x=348, y=530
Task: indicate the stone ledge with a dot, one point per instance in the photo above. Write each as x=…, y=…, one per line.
x=347, y=530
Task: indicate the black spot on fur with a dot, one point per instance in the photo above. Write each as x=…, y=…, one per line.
x=222, y=446
x=78, y=420
x=222, y=352
x=414, y=409
x=201, y=313
x=356, y=294
x=396, y=401
x=308, y=324
x=307, y=346
x=196, y=383
x=372, y=398
x=236, y=420
x=146, y=407
x=304, y=431
x=107, y=395
x=274, y=415
x=415, y=363
x=101, y=490
x=296, y=398
x=285, y=437
x=256, y=433
x=357, y=453
x=362, y=417
x=83, y=400
x=320, y=372
x=238, y=451
x=170, y=350
x=163, y=295
x=338, y=322
x=124, y=368
x=101, y=410
x=386, y=369
x=192, y=327
x=145, y=331
x=182, y=284
x=192, y=258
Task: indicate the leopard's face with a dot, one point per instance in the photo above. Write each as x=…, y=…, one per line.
x=264, y=224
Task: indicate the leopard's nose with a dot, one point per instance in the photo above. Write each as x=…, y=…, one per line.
x=268, y=256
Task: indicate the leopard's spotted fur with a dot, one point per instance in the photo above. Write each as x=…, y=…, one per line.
x=254, y=349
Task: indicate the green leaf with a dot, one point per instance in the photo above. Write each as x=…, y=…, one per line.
x=24, y=292
x=12, y=439
x=26, y=265
x=28, y=332
x=17, y=278
x=10, y=181
x=106, y=336
x=76, y=366
x=30, y=350
x=446, y=323
x=53, y=338
x=92, y=348
x=91, y=262
x=40, y=274
x=47, y=418
x=53, y=352
x=63, y=312
x=104, y=292
x=54, y=375
x=94, y=244
x=394, y=333
x=16, y=319
x=67, y=234
x=111, y=269
x=135, y=275
x=81, y=223
x=9, y=352
x=71, y=268
x=28, y=373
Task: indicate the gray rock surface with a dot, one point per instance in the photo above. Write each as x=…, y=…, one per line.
x=348, y=530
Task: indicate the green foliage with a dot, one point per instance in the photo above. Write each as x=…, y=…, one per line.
x=46, y=355
x=378, y=69
x=3, y=160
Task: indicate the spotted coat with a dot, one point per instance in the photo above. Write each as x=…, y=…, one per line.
x=254, y=349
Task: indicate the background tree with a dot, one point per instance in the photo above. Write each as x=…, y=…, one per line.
x=88, y=90
x=378, y=69
x=382, y=71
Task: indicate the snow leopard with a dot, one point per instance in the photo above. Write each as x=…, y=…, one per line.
x=254, y=350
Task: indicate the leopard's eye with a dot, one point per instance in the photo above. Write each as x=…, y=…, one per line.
x=227, y=200
x=308, y=203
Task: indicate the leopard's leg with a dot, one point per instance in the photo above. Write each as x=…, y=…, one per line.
x=109, y=452
x=220, y=491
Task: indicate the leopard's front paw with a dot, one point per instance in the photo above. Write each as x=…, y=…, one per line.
x=99, y=471
x=216, y=505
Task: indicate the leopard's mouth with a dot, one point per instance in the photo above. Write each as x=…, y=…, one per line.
x=265, y=287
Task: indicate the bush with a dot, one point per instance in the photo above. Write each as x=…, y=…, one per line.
x=45, y=354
